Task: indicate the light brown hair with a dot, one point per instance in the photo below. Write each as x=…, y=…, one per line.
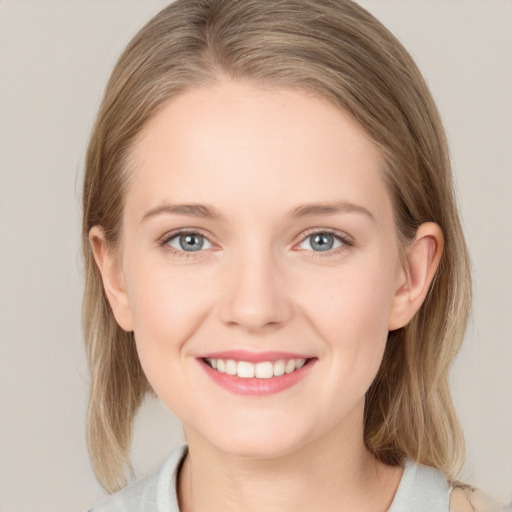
x=338, y=51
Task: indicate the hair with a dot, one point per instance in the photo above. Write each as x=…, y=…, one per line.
x=339, y=52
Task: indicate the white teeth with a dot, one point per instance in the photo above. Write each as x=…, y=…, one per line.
x=231, y=367
x=263, y=370
x=279, y=368
x=245, y=370
x=290, y=366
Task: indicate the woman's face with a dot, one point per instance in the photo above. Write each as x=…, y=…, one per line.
x=258, y=236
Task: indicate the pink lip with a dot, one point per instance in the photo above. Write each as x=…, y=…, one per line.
x=254, y=386
x=253, y=357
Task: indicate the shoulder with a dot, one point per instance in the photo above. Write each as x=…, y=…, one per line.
x=139, y=496
x=426, y=489
x=155, y=492
x=473, y=500
x=422, y=489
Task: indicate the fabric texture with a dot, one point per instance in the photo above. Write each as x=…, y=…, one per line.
x=421, y=489
x=153, y=493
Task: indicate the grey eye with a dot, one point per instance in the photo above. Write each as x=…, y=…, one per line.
x=321, y=241
x=189, y=242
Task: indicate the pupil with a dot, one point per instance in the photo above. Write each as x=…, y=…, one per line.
x=322, y=242
x=191, y=242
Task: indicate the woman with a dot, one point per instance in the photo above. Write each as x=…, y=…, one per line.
x=273, y=247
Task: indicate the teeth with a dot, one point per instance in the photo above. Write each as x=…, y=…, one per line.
x=245, y=370
x=279, y=367
x=231, y=367
x=290, y=366
x=263, y=370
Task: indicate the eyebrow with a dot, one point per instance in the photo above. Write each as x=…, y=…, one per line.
x=328, y=208
x=191, y=210
x=204, y=211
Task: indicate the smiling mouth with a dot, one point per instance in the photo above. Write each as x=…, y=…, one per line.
x=260, y=370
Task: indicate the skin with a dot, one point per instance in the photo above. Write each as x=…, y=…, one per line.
x=254, y=155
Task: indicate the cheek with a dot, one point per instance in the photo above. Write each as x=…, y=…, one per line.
x=167, y=307
x=352, y=320
x=351, y=304
x=350, y=311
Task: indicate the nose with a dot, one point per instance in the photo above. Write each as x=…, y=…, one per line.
x=256, y=296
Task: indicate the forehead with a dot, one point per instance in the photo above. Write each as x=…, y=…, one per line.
x=244, y=144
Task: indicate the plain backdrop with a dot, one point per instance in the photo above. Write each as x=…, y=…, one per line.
x=55, y=57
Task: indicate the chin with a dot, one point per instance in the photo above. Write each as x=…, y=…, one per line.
x=258, y=441
x=258, y=449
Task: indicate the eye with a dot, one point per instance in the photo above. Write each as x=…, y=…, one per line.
x=322, y=241
x=188, y=242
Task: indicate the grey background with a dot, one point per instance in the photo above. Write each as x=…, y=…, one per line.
x=55, y=57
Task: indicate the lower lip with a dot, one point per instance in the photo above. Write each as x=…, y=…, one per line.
x=257, y=387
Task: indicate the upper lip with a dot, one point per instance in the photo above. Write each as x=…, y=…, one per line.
x=253, y=357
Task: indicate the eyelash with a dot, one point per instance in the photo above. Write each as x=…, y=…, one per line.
x=341, y=237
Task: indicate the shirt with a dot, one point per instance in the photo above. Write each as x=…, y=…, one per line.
x=421, y=489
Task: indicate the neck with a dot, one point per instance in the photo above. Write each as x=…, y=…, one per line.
x=334, y=473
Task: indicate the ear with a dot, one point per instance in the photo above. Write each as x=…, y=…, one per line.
x=112, y=276
x=422, y=258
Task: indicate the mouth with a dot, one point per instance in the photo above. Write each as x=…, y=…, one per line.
x=260, y=370
x=256, y=375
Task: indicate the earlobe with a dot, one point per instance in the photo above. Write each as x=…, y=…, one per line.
x=420, y=266
x=111, y=274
